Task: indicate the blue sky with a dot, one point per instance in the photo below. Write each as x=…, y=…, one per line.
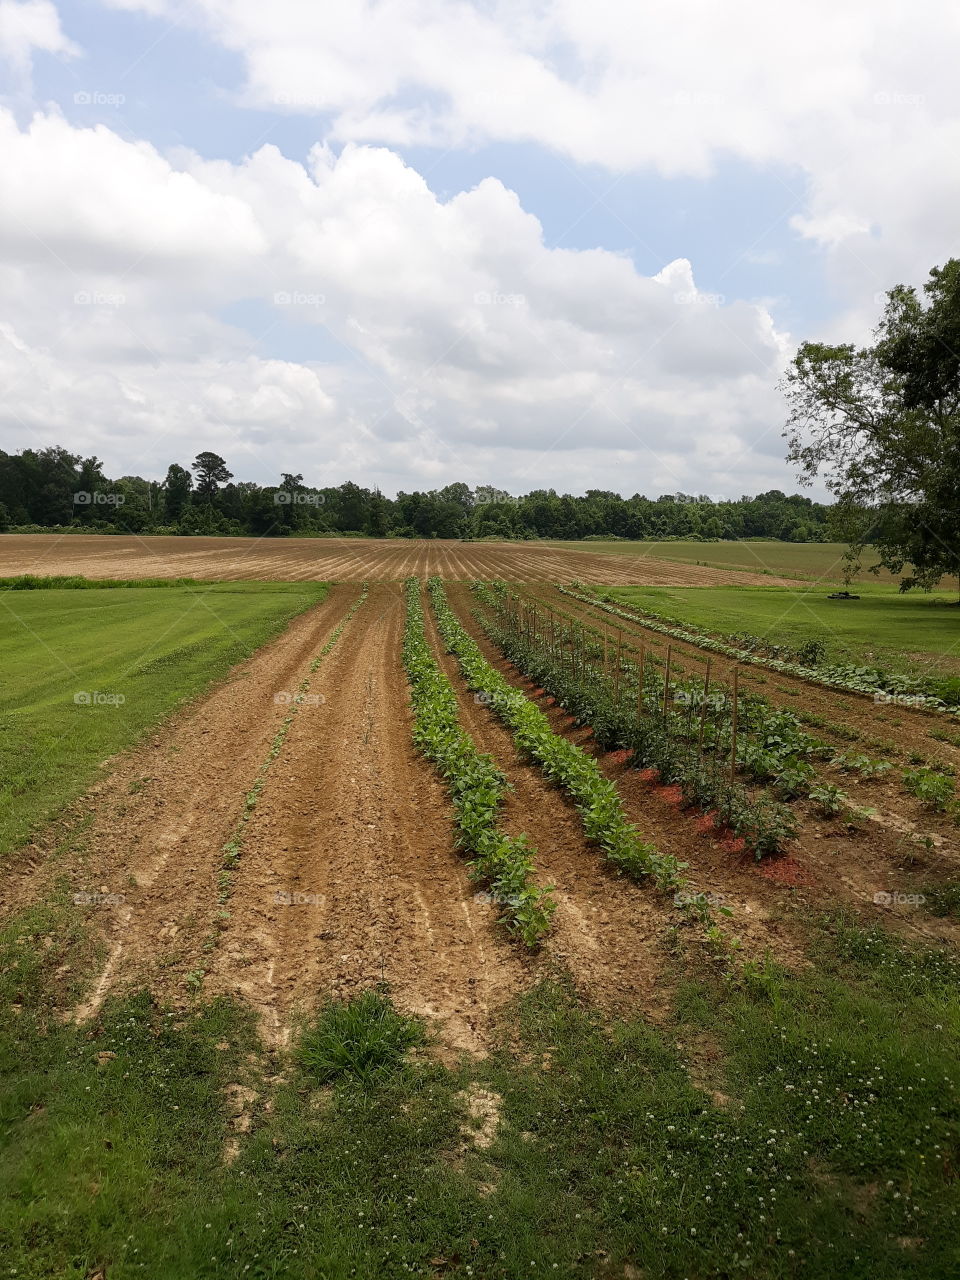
x=702, y=202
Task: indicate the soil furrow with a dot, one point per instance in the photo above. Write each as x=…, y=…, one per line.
x=348, y=873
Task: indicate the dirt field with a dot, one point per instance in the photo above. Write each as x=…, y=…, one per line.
x=348, y=871
x=341, y=560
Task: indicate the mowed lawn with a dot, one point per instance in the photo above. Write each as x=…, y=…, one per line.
x=915, y=630
x=780, y=559
x=151, y=647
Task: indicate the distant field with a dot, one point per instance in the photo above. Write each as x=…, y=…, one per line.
x=791, y=559
x=151, y=648
x=336, y=560
x=882, y=626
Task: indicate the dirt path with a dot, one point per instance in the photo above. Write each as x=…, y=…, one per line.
x=353, y=832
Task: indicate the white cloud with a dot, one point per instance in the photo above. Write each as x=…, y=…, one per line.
x=473, y=350
x=33, y=25
x=855, y=103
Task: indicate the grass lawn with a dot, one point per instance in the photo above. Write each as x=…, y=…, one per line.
x=913, y=631
x=152, y=647
x=773, y=1126
x=790, y=559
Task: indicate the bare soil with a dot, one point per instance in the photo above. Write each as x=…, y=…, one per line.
x=341, y=560
x=351, y=826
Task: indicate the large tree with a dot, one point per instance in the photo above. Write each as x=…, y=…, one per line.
x=176, y=491
x=881, y=423
x=211, y=472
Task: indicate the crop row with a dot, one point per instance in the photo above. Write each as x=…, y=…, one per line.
x=565, y=764
x=869, y=681
x=476, y=786
x=681, y=729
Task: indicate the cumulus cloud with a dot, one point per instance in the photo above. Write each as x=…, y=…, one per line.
x=29, y=26
x=854, y=103
x=463, y=345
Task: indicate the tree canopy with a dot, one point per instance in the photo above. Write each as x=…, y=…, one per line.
x=881, y=424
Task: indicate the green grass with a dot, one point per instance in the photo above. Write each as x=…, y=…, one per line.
x=364, y=1040
x=153, y=648
x=905, y=631
x=775, y=1126
x=790, y=559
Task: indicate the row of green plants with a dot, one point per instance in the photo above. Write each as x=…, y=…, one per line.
x=664, y=733
x=847, y=677
x=477, y=787
x=233, y=848
x=773, y=748
x=565, y=764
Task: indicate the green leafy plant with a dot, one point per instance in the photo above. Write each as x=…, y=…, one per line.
x=476, y=786
x=936, y=790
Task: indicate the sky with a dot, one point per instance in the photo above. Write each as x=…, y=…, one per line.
x=529, y=243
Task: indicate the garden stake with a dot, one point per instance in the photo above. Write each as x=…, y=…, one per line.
x=733, y=727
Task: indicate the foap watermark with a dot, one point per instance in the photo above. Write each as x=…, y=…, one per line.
x=94, y=698
x=99, y=899
x=898, y=699
x=93, y=498
x=896, y=899
x=486, y=298
x=699, y=899
x=285, y=699
x=297, y=298
x=95, y=298
x=715, y=701
x=695, y=298
x=896, y=98
x=294, y=498
x=694, y=98
x=301, y=101
x=294, y=898
x=97, y=98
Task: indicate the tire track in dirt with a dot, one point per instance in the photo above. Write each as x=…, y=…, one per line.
x=355, y=823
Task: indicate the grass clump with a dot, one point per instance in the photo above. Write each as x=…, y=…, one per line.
x=364, y=1040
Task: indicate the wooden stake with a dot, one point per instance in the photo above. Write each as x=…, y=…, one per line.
x=666, y=679
x=642, y=674
x=703, y=709
x=616, y=672
x=733, y=734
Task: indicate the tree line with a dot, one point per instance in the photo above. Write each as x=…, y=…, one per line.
x=55, y=489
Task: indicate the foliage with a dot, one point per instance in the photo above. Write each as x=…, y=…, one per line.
x=936, y=790
x=665, y=737
x=850, y=677
x=881, y=423
x=37, y=488
x=476, y=786
x=594, y=796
